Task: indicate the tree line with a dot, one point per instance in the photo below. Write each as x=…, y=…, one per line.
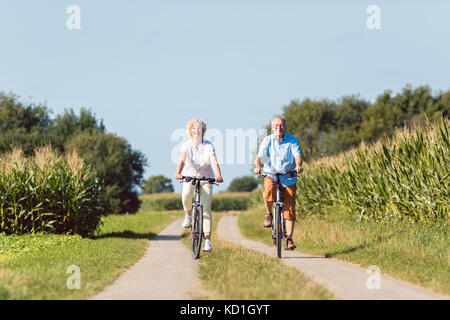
x=325, y=127
x=119, y=167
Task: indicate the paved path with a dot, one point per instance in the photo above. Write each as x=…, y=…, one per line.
x=344, y=279
x=166, y=272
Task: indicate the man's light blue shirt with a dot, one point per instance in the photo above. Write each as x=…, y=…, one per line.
x=280, y=156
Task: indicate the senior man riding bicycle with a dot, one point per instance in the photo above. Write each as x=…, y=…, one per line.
x=282, y=153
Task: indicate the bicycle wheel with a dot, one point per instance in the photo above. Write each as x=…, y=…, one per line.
x=278, y=231
x=197, y=232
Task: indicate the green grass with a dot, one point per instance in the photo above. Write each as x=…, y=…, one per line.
x=236, y=273
x=416, y=253
x=34, y=266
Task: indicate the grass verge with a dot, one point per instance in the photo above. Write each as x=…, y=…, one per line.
x=416, y=253
x=233, y=272
x=34, y=266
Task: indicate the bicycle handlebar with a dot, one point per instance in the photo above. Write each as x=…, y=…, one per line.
x=195, y=179
x=278, y=174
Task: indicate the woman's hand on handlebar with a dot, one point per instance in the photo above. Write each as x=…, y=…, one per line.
x=178, y=176
x=219, y=179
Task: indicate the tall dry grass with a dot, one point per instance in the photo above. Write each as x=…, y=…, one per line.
x=48, y=193
x=406, y=178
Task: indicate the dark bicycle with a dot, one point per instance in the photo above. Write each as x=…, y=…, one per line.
x=278, y=224
x=197, y=214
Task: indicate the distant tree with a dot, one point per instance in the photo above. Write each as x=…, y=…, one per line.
x=343, y=130
x=243, y=184
x=308, y=120
x=119, y=167
x=68, y=124
x=24, y=125
x=326, y=127
x=157, y=184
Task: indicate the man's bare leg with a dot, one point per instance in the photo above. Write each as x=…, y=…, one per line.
x=269, y=204
x=289, y=232
x=289, y=228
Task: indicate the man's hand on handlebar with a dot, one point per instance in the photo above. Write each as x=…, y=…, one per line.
x=298, y=170
x=257, y=170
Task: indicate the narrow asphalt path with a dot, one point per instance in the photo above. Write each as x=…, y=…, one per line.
x=347, y=281
x=166, y=272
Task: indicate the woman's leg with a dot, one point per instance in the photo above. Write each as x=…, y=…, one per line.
x=186, y=197
x=206, y=200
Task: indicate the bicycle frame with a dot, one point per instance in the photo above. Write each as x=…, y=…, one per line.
x=278, y=203
x=278, y=224
x=197, y=208
x=197, y=234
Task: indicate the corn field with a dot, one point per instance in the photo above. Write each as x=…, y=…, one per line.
x=47, y=193
x=404, y=178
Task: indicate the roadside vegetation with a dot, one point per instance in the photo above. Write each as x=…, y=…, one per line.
x=375, y=191
x=48, y=193
x=233, y=272
x=35, y=266
x=385, y=204
x=223, y=201
x=415, y=253
x=118, y=166
x=406, y=178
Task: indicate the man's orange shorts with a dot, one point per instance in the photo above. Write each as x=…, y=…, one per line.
x=287, y=194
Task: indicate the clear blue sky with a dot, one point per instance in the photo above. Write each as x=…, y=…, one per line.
x=145, y=67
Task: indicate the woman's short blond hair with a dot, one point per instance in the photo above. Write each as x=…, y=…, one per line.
x=191, y=123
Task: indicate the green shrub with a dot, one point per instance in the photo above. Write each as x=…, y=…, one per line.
x=243, y=184
x=47, y=193
x=172, y=201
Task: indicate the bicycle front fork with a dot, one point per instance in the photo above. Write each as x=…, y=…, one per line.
x=278, y=215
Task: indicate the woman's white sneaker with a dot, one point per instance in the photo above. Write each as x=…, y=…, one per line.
x=186, y=222
x=207, y=247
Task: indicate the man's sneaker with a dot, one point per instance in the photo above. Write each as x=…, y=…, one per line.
x=207, y=247
x=186, y=222
x=290, y=244
x=268, y=221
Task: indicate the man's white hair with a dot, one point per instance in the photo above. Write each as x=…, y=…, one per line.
x=281, y=118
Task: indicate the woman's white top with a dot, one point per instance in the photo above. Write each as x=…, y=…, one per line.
x=197, y=162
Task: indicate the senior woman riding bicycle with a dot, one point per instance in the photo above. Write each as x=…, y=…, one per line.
x=198, y=159
x=282, y=153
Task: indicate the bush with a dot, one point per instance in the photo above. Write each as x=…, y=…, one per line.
x=243, y=184
x=47, y=193
x=157, y=184
x=172, y=201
